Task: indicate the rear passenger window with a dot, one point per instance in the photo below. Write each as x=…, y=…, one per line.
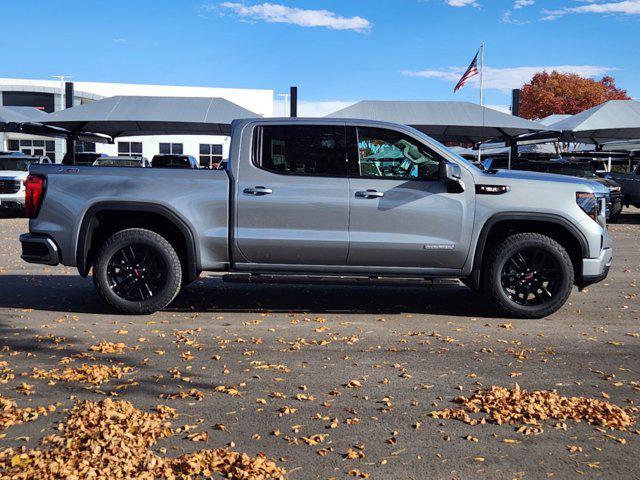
x=302, y=150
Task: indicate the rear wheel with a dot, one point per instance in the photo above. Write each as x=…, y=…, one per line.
x=529, y=275
x=137, y=271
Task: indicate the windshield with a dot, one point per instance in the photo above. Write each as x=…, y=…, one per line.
x=15, y=164
x=113, y=162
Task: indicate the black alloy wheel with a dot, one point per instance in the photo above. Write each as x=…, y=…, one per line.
x=531, y=277
x=136, y=272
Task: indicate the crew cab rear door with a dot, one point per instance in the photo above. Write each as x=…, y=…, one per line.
x=402, y=216
x=292, y=205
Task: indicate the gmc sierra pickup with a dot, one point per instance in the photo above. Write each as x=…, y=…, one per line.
x=319, y=200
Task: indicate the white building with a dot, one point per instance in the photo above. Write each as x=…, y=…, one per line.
x=47, y=95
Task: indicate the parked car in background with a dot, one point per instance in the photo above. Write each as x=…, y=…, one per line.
x=174, y=161
x=14, y=169
x=139, y=162
x=87, y=158
x=581, y=170
x=299, y=202
x=630, y=183
x=12, y=153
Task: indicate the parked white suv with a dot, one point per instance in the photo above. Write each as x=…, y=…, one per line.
x=14, y=169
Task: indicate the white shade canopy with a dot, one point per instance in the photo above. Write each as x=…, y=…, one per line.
x=123, y=116
x=610, y=121
x=444, y=121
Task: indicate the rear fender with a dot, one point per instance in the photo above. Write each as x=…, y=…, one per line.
x=90, y=223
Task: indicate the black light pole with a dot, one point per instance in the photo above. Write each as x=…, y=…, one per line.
x=71, y=141
x=294, y=102
x=515, y=110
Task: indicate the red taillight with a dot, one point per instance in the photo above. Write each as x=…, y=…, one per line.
x=34, y=185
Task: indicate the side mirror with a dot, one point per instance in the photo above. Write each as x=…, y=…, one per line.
x=450, y=172
x=451, y=175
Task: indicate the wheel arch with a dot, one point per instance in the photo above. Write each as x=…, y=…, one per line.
x=105, y=218
x=555, y=226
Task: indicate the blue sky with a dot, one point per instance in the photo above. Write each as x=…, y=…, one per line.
x=334, y=50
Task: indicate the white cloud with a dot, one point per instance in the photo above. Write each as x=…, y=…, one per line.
x=462, y=3
x=627, y=7
x=312, y=109
x=507, y=17
x=275, y=13
x=523, y=3
x=506, y=79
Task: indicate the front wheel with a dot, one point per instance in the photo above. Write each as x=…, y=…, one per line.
x=529, y=275
x=616, y=211
x=137, y=271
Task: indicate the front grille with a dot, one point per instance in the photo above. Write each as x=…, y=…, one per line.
x=9, y=185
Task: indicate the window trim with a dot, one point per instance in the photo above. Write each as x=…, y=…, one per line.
x=212, y=157
x=256, y=151
x=129, y=152
x=372, y=177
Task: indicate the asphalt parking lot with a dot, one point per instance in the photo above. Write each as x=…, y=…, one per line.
x=334, y=381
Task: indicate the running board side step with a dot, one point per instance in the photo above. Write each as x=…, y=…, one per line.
x=336, y=280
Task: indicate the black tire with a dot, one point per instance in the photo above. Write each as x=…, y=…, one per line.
x=533, y=291
x=616, y=211
x=140, y=282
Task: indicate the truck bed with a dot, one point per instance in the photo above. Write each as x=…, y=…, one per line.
x=200, y=198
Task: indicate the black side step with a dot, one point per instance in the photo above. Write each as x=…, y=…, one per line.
x=298, y=279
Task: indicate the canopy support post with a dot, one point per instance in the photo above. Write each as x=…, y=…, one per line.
x=71, y=141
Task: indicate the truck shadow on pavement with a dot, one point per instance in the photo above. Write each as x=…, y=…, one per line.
x=72, y=294
x=629, y=218
x=11, y=213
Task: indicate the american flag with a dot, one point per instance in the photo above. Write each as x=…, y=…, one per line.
x=471, y=72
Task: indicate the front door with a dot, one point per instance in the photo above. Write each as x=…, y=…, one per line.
x=401, y=214
x=292, y=198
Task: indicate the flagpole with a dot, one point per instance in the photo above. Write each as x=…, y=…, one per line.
x=481, y=93
x=482, y=74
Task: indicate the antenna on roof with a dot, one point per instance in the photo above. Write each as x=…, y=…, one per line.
x=62, y=79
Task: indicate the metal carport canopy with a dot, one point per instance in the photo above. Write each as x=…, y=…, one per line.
x=445, y=121
x=126, y=116
x=610, y=121
x=12, y=117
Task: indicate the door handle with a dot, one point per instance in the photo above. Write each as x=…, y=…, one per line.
x=258, y=191
x=369, y=194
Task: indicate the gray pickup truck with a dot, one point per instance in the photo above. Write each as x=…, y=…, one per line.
x=320, y=200
x=630, y=183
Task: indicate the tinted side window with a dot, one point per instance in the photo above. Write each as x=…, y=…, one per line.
x=390, y=154
x=302, y=150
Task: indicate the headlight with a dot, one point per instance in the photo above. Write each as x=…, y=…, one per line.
x=588, y=203
x=614, y=189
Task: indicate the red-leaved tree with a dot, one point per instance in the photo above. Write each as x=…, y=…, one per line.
x=565, y=93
